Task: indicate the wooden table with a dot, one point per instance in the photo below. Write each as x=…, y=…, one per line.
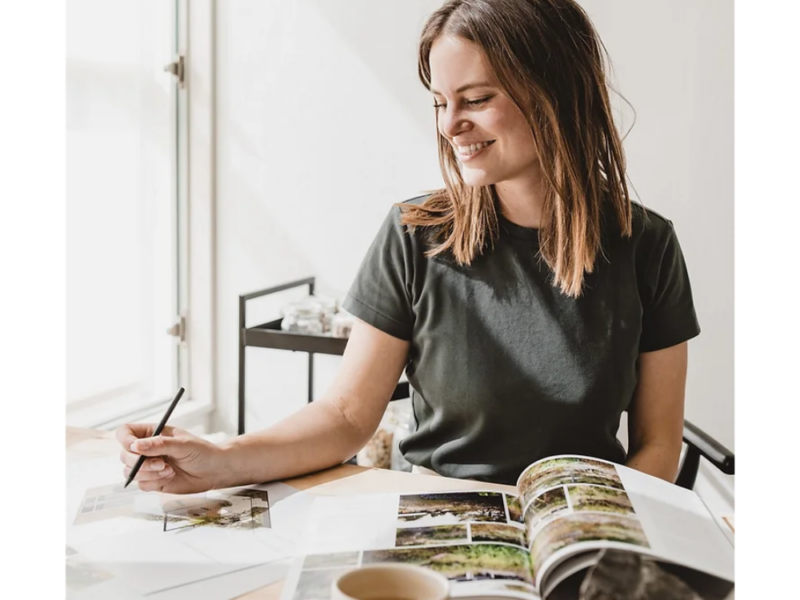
x=344, y=479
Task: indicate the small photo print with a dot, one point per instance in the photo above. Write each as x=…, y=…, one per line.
x=450, y=508
x=327, y=561
x=564, y=471
x=462, y=563
x=601, y=499
x=514, y=509
x=585, y=527
x=432, y=536
x=497, y=533
x=316, y=584
x=106, y=502
x=544, y=507
x=243, y=509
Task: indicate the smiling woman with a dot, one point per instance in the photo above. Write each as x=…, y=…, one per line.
x=531, y=76
x=529, y=301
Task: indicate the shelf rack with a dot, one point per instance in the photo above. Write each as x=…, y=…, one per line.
x=270, y=335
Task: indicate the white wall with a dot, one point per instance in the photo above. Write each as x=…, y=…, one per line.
x=673, y=61
x=323, y=124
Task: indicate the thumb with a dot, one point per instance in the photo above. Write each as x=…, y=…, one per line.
x=154, y=446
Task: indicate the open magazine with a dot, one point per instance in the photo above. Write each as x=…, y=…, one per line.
x=567, y=509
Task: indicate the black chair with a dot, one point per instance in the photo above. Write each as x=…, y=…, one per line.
x=698, y=443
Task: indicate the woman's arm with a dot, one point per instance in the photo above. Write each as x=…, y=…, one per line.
x=332, y=429
x=655, y=417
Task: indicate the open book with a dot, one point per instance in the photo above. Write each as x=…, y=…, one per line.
x=566, y=509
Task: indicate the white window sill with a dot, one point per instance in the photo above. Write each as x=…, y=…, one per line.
x=133, y=408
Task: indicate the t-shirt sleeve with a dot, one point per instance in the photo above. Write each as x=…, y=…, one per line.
x=668, y=314
x=380, y=294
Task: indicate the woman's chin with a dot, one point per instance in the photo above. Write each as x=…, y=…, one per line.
x=476, y=178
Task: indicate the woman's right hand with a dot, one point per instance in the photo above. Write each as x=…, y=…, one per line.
x=178, y=462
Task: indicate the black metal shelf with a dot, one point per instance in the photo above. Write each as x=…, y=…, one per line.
x=270, y=335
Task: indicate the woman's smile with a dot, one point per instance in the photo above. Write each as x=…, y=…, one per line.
x=469, y=152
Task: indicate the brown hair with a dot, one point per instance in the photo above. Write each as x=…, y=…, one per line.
x=549, y=61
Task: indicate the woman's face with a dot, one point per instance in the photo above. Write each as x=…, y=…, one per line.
x=489, y=135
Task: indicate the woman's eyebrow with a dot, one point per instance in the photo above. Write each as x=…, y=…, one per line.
x=466, y=87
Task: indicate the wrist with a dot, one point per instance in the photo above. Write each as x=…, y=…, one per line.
x=228, y=472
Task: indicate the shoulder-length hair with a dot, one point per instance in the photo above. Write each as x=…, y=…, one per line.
x=548, y=59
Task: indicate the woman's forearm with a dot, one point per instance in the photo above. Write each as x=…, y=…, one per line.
x=316, y=437
x=653, y=459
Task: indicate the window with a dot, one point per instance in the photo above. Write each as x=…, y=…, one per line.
x=126, y=206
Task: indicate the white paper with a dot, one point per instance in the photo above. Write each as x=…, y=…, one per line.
x=150, y=542
x=340, y=523
x=224, y=587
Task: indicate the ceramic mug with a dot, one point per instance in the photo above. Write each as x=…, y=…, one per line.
x=391, y=581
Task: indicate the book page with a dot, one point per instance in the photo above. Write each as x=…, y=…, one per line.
x=679, y=525
x=475, y=538
x=575, y=504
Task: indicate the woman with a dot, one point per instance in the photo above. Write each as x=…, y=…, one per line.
x=530, y=301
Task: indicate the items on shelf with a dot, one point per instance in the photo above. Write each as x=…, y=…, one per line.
x=317, y=315
x=383, y=450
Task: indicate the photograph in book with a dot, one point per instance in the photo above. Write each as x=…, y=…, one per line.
x=514, y=509
x=432, y=536
x=462, y=562
x=449, y=509
x=597, y=498
x=584, y=527
x=498, y=533
x=566, y=470
x=545, y=507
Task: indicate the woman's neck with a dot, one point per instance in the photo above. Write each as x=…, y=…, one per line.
x=521, y=200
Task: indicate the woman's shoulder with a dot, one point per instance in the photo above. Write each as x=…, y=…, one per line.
x=647, y=218
x=395, y=217
x=395, y=231
x=399, y=207
x=649, y=226
x=417, y=200
x=652, y=233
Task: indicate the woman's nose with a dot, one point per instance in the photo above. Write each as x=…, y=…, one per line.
x=452, y=123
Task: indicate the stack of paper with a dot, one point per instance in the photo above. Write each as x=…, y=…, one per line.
x=126, y=544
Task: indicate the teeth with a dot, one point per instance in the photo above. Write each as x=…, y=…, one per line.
x=472, y=148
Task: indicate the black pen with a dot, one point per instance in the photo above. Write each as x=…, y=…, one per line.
x=158, y=431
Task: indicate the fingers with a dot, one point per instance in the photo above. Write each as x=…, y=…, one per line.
x=151, y=464
x=129, y=433
x=159, y=445
x=148, y=477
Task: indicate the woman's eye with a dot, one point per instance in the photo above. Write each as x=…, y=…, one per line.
x=477, y=102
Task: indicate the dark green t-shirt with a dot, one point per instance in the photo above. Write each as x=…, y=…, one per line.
x=504, y=368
